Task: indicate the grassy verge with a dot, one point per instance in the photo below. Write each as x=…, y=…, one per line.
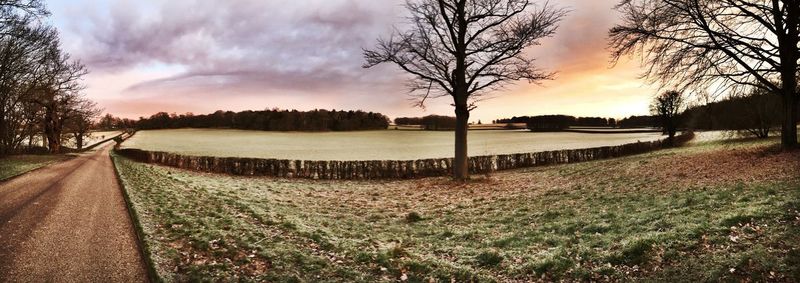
x=16, y=165
x=144, y=246
x=712, y=211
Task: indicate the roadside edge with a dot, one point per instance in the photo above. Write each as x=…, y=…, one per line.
x=144, y=249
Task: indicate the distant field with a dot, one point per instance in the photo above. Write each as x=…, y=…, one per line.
x=93, y=138
x=370, y=145
x=601, y=130
x=514, y=126
x=710, y=212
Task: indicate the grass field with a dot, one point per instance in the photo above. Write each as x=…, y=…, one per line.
x=369, y=145
x=15, y=165
x=709, y=212
x=93, y=138
x=90, y=140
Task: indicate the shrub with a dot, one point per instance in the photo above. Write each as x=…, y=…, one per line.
x=635, y=253
x=489, y=258
x=412, y=217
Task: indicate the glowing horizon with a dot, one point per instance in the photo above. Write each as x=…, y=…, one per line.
x=151, y=56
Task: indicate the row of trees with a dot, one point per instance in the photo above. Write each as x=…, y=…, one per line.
x=108, y=122
x=430, y=122
x=270, y=120
x=40, y=88
x=559, y=122
x=755, y=113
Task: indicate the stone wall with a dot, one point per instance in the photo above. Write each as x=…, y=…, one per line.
x=385, y=169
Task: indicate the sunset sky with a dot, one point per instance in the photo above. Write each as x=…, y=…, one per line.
x=201, y=56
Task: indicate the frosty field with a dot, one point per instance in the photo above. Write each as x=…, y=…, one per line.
x=94, y=138
x=369, y=145
x=708, y=212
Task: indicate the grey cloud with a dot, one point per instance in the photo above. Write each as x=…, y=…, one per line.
x=266, y=44
x=271, y=47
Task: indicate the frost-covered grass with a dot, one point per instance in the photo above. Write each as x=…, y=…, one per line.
x=91, y=139
x=367, y=145
x=714, y=211
x=18, y=164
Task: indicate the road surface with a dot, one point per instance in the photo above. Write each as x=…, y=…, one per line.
x=68, y=222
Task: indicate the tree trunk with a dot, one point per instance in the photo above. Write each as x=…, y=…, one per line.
x=52, y=131
x=671, y=129
x=53, y=143
x=789, y=56
x=461, y=160
x=789, y=128
x=79, y=141
x=671, y=137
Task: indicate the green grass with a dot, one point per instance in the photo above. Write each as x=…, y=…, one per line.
x=664, y=216
x=16, y=165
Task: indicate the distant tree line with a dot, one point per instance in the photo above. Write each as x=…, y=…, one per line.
x=270, y=120
x=643, y=121
x=547, y=123
x=41, y=103
x=562, y=119
x=109, y=123
x=757, y=113
x=430, y=122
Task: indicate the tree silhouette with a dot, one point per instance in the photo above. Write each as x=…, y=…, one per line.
x=668, y=107
x=82, y=120
x=57, y=90
x=466, y=49
x=39, y=83
x=728, y=44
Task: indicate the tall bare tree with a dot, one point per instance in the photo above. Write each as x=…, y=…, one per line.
x=57, y=90
x=729, y=45
x=22, y=50
x=466, y=49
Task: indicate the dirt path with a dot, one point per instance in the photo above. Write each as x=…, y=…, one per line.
x=68, y=222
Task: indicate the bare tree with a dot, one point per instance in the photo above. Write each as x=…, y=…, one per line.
x=57, y=91
x=81, y=121
x=465, y=49
x=668, y=107
x=12, y=10
x=729, y=45
x=22, y=50
x=39, y=83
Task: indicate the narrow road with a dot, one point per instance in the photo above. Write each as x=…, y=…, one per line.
x=68, y=222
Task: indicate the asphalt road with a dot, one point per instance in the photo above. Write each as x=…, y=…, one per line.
x=68, y=222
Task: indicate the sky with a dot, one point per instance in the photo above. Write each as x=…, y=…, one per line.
x=200, y=56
